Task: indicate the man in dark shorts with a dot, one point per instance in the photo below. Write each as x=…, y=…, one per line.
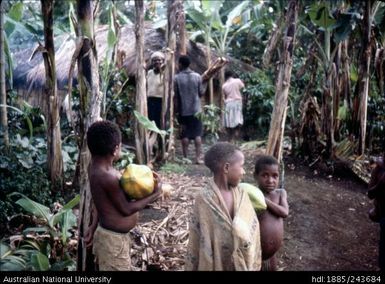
x=188, y=90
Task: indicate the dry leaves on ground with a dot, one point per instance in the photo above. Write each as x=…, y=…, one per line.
x=160, y=244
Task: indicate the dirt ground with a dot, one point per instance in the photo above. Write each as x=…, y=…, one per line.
x=328, y=226
x=327, y=229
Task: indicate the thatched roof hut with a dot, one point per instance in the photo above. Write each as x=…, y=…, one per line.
x=29, y=76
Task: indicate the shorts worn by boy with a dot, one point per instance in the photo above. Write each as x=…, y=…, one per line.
x=112, y=250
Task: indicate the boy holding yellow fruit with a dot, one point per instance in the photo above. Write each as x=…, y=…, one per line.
x=117, y=213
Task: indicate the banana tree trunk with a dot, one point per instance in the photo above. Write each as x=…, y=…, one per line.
x=181, y=29
x=141, y=136
x=54, y=154
x=327, y=112
x=345, y=76
x=363, y=87
x=3, y=96
x=273, y=41
x=90, y=106
x=277, y=125
x=173, y=21
x=208, y=61
x=222, y=96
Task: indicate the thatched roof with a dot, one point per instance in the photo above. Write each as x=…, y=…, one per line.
x=29, y=76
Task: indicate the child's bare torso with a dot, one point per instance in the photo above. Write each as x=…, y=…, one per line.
x=271, y=227
x=103, y=184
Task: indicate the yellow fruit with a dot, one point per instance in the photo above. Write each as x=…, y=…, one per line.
x=256, y=196
x=137, y=181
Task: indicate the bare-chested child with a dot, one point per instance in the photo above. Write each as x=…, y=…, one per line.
x=224, y=229
x=266, y=174
x=117, y=214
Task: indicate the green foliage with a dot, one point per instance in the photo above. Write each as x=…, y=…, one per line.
x=36, y=250
x=25, y=114
x=376, y=123
x=11, y=259
x=258, y=103
x=249, y=44
x=23, y=169
x=321, y=16
x=126, y=158
x=210, y=118
x=149, y=125
x=218, y=27
x=120, y=101
x=58, y=224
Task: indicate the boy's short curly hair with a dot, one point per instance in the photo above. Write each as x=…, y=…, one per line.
x=103, y=137
x=218, y=154
x=262, y=161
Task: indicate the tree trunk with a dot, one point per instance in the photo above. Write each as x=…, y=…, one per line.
x=345, y=76
x=54, y=154
x=272, y=42
x=274, y=145
x=327, y=111
x=337, y=92
x=363, y=87
x=208, y=61
x=3, y=96
x=181, y=29
x=174, y=19
x=141, y=137
x=222, y=95
x=90, y=104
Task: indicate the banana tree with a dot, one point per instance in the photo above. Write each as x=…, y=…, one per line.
x=370, y=9
x=54, y=153
x=277, y=125
x=225, y=33
x=205, y=14
x=141, y=135
x=217, y=33
x=90, y=106
x=321, y=17
x=44, y=247
x=11, y=23
x=175, y=17
x=112, y=40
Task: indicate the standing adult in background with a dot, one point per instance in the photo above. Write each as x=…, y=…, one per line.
x=155, y=88
x=155, y=92
x=233, y=104
x=188, y=90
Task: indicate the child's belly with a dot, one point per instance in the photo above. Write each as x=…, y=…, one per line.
x=271, y=235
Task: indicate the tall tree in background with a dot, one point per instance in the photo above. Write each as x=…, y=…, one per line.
x=277, y=125
x=54, y=153
x=90, y=106
x=141, y=136
x=3, y=92
x=175, y=16
x=363, y=75
x=180, y=29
